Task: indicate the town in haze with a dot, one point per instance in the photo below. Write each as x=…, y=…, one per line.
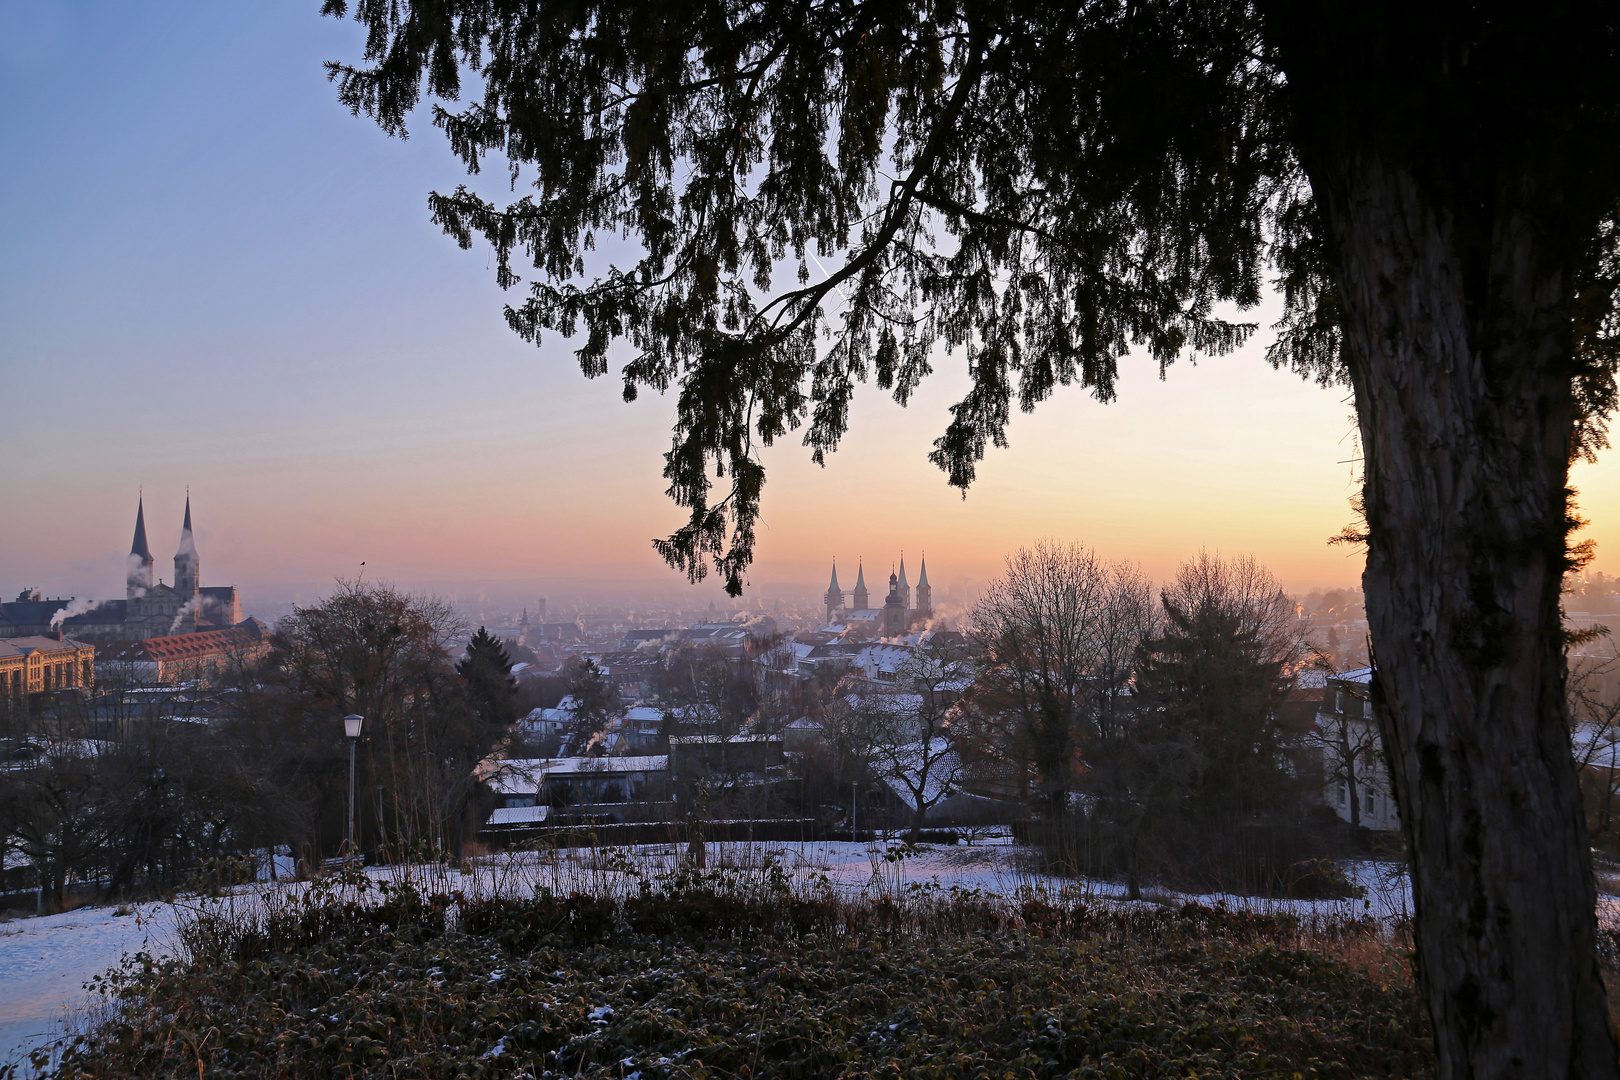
x=624, y=541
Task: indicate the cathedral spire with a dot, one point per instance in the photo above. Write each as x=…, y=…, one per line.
x=925, y=594
x=138, y=573
x=861, y=594
x=139, y=547
x=835, y=595
x=186, y=578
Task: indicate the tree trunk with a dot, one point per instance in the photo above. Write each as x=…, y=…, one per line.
x=1466, y=414
x=1444, y=149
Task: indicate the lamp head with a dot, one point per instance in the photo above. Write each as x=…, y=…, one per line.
x=351, y=725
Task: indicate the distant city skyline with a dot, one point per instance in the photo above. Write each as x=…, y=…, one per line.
x=211, y=274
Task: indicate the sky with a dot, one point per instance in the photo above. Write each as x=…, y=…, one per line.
x=213, y=277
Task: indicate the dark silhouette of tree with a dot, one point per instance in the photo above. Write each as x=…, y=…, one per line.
x=596, y=701
x=1047, y=186
x=373, y=650
x=487, y=671
x=1207, y=768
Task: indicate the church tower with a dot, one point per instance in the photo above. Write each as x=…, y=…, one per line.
x=138, y=577
x=925, y=595
x=894, y=610
x=186, y=564
x=835, y=595
x=860, y=588
x=905, y=587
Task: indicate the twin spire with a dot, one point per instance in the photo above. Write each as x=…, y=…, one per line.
x=138, y=579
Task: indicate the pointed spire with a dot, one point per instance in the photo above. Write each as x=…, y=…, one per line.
x=922, y=579
x=139, y=547
x=860, y=576
x=903, y=583
x=188, y=546
x=834, y=586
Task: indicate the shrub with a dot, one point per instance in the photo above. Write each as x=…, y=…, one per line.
x=699, y=978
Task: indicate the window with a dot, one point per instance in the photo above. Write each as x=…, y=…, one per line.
x=1344, y=795
x=1366, y=708
x=1372, y=802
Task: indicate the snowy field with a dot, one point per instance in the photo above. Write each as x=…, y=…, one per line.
x=44, y=962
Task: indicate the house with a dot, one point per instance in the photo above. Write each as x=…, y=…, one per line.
x=740, y=759
x=599, y=784
x=1357, y=781
x=546, y=723
x=801, y=735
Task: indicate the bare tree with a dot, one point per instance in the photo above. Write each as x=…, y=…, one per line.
x=912, y=747
x=1057, y=633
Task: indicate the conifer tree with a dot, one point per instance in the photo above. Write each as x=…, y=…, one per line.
x=487, y=673
x=1434, y=189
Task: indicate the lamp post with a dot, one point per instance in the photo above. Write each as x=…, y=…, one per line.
x=351, y=728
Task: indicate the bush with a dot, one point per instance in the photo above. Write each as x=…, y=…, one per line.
x=701, y=979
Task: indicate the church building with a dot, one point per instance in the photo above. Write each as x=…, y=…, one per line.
x=153, y=609
x=896, y=616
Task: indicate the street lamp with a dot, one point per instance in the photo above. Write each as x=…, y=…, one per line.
x=351, y=728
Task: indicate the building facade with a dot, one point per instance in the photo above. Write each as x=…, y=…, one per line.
x=45, y=664
x=1357, y=780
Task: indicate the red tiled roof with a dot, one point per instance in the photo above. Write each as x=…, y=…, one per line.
x=194, y=646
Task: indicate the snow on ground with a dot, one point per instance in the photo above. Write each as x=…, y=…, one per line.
x=44, y=962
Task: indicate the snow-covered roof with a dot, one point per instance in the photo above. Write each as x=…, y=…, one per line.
x=1362, y=675
x=519, y=815
x=524, y=775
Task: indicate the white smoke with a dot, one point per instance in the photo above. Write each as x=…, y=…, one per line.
x=137, y=570
x=78, y=606
x=185, y=612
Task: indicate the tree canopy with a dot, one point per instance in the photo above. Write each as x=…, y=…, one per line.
x=822, y=193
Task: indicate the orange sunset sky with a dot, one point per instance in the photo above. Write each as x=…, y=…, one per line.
x=274, y=321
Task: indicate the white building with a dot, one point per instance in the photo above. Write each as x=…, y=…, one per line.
x=1358, y=784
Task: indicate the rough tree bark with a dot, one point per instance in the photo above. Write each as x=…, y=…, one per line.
x=1445, y=190
x=1466, y=416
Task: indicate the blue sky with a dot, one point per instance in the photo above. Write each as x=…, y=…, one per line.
x=211, y=274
